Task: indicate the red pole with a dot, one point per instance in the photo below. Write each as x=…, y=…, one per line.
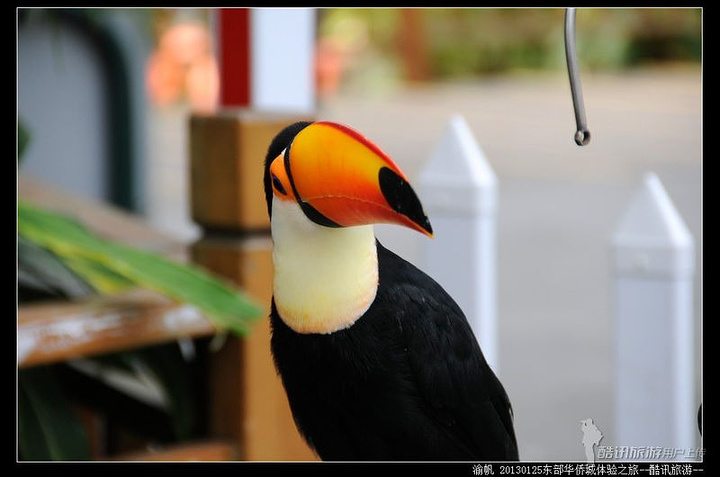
x=234, y=31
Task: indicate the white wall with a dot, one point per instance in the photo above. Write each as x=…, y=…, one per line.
x=61, y=101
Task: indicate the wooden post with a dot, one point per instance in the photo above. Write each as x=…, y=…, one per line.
x=248, y=402
x=227, y=153
x=654, y=266
x=459, y=191
x=413, y=44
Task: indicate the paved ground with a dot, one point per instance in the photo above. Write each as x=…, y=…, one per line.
x=559, y=204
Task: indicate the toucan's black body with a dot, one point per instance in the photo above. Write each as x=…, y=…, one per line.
x=406, y=382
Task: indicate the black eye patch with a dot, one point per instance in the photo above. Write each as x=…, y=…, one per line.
x=278, y=185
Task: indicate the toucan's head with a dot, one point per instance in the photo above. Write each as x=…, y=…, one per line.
x=339, y=178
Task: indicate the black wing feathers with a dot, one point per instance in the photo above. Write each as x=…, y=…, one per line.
x=467, y=400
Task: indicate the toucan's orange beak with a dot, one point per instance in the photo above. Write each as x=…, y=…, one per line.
x=340, y=178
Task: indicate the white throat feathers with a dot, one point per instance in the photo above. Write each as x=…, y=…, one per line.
x=324, y=278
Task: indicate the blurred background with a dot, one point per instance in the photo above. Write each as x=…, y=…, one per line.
x=105, y=95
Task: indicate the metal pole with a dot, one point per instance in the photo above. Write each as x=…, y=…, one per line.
x=582, y=135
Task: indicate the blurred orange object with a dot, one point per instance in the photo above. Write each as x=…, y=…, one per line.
x=183, y=65
x=329, y=63
x=202, y=84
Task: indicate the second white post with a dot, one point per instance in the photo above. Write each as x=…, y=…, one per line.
x=654, y=264
x=459, y=191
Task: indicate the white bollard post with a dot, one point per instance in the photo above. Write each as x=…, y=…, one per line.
x=459, y=192
x=282, y=59
x=654, y=266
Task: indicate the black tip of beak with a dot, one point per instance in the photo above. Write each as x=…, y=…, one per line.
x=402, y=198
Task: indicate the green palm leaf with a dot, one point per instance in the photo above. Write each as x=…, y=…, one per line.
x=48, y=427
x=109, y=266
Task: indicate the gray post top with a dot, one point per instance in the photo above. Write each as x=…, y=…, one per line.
x=458, y=180
x=651, y=238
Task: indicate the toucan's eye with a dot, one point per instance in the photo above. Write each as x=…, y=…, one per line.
x=278, y=185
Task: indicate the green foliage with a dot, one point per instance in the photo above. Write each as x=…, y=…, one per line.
x=480, y=41
x=48, y=428
x=58, y=258
x=23, y=138
x=42, y=275
x=161, y=362
x=476, y=41
x=110, y=267
x=178, y=379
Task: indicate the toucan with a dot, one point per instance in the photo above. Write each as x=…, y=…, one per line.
x=377, y=360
